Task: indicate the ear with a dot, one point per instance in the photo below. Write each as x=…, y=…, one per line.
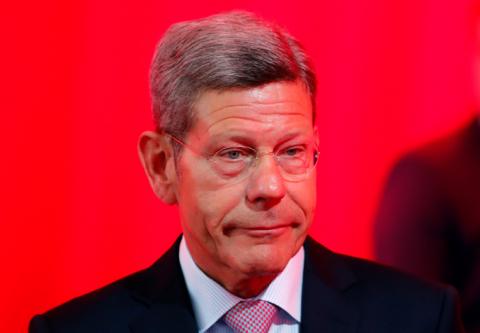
x=315, y=135
x=157, y=158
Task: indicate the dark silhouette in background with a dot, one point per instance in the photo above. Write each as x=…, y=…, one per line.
x=428, y=221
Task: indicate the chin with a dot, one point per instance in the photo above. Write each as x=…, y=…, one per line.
x=262, y=264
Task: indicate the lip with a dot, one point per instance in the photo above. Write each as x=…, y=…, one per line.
x=262, y=232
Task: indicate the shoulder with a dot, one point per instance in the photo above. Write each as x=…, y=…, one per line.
x=398, y=296
x=374, y=277
x=113, y=301
x=378, y=280
x=114, y=307
x=382, y=295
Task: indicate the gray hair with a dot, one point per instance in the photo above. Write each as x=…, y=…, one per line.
x=220, y=52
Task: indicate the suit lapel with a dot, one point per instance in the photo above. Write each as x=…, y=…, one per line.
x=325, y=307
x=164, y=318
x=163, y=290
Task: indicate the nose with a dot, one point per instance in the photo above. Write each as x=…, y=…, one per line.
x=266, y=186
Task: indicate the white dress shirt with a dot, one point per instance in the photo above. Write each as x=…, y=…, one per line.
x=211, y=301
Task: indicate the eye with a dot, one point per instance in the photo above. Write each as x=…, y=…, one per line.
x=233, y=154
x=231, y=161
x=294, y=151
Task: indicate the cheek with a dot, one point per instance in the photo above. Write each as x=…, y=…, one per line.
x=304, y=196
x=204, y=207
x=218, y=204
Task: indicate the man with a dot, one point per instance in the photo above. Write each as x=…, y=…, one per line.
x=428, y=221
x=235, y=149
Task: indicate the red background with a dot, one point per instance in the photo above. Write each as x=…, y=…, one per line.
x=76, y=211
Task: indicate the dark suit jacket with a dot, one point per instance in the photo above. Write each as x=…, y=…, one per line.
x=428, y=222
x=340, y=294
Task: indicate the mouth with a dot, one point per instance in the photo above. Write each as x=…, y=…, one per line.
x=260, y=231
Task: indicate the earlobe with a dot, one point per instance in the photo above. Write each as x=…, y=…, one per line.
x=158, y=162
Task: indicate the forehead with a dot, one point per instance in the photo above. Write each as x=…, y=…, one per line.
x=274, y=108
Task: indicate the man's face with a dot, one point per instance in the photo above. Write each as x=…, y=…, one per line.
x=250, y=227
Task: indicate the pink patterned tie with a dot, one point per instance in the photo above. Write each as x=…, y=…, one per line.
x=251, y=316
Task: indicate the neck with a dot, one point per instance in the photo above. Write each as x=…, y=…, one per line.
x=249, y=287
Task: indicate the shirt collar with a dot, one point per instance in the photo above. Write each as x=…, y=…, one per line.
x=285, y=291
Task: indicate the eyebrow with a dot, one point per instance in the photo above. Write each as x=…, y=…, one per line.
x=247, y=138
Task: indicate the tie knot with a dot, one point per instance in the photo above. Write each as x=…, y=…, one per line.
x=251, y=316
